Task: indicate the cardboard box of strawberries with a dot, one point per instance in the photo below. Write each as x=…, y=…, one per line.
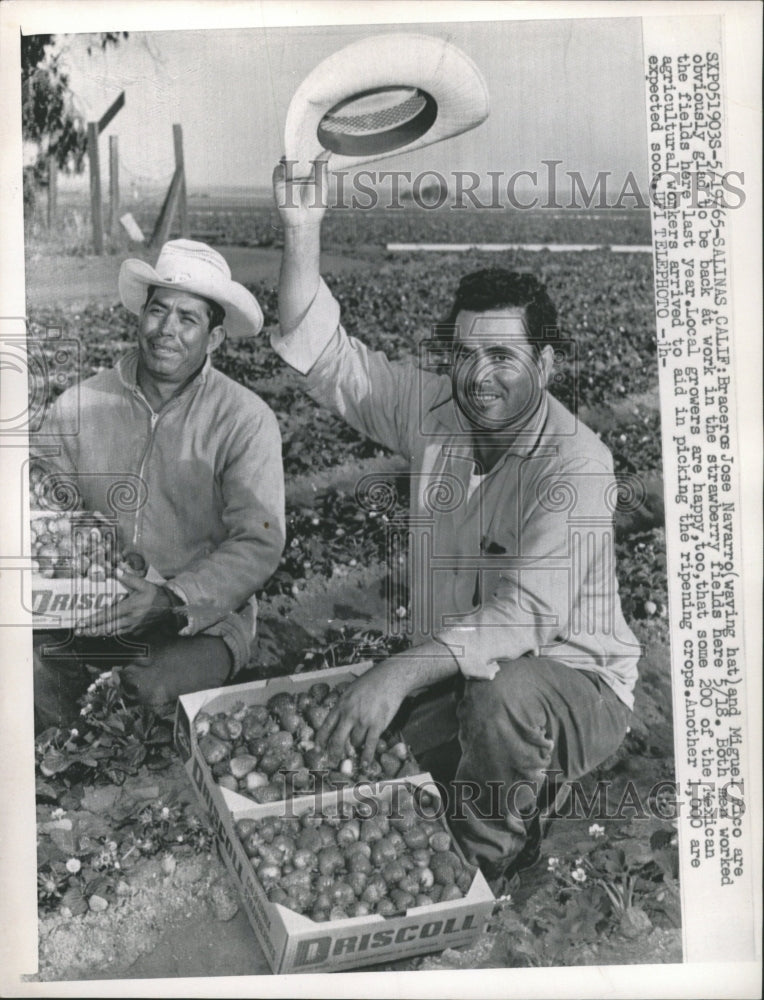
x=338, y=866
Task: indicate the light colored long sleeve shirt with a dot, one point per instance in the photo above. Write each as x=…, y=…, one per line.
x=202, y=485
x=516, y=562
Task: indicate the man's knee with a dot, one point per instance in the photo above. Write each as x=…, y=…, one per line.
x=145, y=685
x=516, y=688
x=176, y=668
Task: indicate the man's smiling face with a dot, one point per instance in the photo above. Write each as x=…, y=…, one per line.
x=497, y=377
x=174, y=335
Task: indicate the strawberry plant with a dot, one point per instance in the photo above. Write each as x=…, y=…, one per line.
x=112, y=740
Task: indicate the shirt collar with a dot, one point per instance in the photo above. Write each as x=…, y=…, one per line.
x=127, y=369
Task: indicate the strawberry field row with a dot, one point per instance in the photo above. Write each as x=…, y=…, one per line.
x=259, y=226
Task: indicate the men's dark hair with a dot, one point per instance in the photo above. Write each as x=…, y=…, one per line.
x=215, y=311
x=495, y=288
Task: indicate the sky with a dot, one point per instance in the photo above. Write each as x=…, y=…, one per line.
x=567, y=90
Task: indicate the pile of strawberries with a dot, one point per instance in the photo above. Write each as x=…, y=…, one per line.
x=269, y=752
x=73, y=545
x=357, y=858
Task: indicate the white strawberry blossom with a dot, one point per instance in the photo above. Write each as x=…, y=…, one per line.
x=578, y=875
x=73, y=865
x=596, y=831
x=552, y=864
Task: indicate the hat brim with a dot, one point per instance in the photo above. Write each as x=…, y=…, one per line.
x=432, y=65
x=243, y=315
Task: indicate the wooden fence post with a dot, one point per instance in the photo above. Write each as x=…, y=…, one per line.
x=52, y=191
x=96, y=210
x=162, y=227
x=113, y=183
x=177, y=138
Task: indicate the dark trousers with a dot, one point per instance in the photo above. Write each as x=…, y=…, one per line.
x=537, y=717
x=155, y=667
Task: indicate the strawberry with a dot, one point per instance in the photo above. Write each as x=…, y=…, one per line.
x=382, y=852
x=317, y=759
x=252, y=729
x=244, y=827
x=416, y=838
x=257, y=746
x=242, y=764
x=357, y=881
x=359, y=847
x=409, y=883
x=266, y=793
x=393, y=872
x=329, y=860
x=464, y=880
x=234, y=728
x=425, y=878
x=324, y=901
x=212, y=749
x=269, y=764
x=268, y=873
x=451, y=892
x=285, y=846
x=258, y=713
x=318, y=691
x=328, y=836
x=252, y=845
x=342, y=894
x=375, y=890
x=277, y=895
x=255, y=779
x=279, y=742
x=421, y=857
x=219, y=728
x=317, y=715
x=349, y=833
x=290, y=720
x=440, y=841
x=330, y=700
x=401, y=900
x=303, y=701
x=279, y=702
x=371, y=829
x=310, y=840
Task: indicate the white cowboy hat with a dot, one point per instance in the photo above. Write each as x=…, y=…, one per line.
x=380, y=96
x=199, y=270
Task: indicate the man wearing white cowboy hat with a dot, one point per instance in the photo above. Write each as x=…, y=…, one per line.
x=201, y=455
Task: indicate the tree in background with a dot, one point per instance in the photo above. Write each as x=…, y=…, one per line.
x=49, y=117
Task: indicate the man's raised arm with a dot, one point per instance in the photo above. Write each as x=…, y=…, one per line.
x=301, y=208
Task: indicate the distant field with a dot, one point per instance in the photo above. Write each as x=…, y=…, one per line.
x=345, y=228
x=250, y=220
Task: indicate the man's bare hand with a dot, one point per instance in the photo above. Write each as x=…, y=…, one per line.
x=365, y=710
x=301, y=201
x=144, y=605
